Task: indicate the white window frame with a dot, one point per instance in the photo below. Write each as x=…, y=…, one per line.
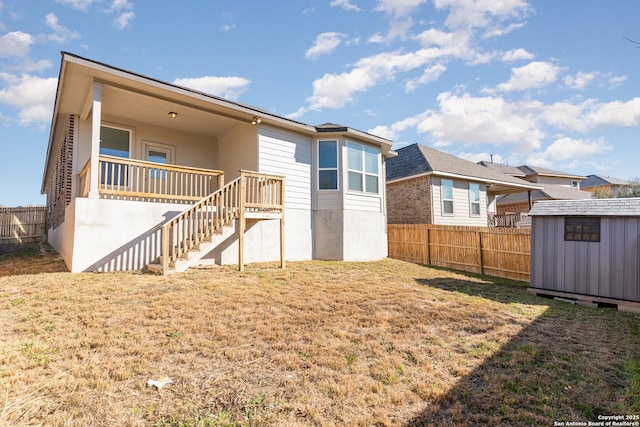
x=474, y=202
x=363, y=172
x=442, y=186
x=336, y=168
x=123, y=179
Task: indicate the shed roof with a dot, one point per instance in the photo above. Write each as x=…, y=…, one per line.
x=591, y=207
x=417, y=159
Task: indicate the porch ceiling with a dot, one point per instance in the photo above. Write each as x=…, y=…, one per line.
x=155, y=111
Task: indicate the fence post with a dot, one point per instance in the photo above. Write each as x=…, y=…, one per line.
x=480, y=263
x=427, y=251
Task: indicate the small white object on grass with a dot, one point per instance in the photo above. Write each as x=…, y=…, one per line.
x=159, y=383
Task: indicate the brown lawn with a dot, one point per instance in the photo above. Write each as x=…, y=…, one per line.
x=320, y=343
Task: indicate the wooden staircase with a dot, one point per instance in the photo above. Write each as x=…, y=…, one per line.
x=196, y=231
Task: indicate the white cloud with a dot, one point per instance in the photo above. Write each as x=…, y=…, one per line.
x=481, y=13
x=325, y=44
x=580, y=80
x=32, y=96
x=123, y=20
x=517, y=55
x=430, y=74
x=498, y=30
x=399, y=8
x=533, y=75
x=616, y=81
x=225, y=87
x=591, y=113
x=566, y=149
x=82, y=5
x=489, y=120
x=15, y=43
x=123, y=9
x=60, y=34
x=228, y=27
x=478, y=157
x=345, y=4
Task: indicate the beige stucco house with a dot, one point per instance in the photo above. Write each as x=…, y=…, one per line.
x=140, y=172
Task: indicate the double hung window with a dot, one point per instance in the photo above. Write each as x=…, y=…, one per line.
x=474, y=199
x=447, y=197
x=328, y=165
x=363, y=168
x=114, y=142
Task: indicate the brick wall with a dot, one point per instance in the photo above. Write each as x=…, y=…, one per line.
x=409, y=201
x=513, y=208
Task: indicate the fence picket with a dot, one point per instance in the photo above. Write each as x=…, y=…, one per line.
x=498, y=252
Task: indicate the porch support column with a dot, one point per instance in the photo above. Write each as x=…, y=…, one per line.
x=96, y=119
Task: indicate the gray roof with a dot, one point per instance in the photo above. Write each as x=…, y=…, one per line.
x=418, y=159
x=597, y=180
x=548, y=192
x=594, y=207
x=509, y=170
x=535, y=170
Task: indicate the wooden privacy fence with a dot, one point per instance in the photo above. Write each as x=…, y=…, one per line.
x=498, y=252
x=23, y=225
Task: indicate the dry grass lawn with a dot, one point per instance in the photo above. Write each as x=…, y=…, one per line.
x=320, y=343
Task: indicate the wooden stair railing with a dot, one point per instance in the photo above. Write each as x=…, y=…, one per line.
x=252, y=192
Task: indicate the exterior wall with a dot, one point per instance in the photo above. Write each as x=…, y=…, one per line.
x=238, y=150
x=609, y=268
x=409, y=201
x=514, y=208
x=461, y=205
x=290, y=154
x=563, y=182
x=111, y=235
x=190, y=149
x=364, y=236
x=329, y=241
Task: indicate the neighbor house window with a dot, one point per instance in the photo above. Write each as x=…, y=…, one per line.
x=474, y=199
x=114, y=142
x=447, y=197
x=575, y=184
x=580, y=229
x=328, y=165
x=363, y=168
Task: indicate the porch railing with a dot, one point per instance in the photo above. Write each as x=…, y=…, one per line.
x=130, y=179
x=251, y=194
x=504, y=220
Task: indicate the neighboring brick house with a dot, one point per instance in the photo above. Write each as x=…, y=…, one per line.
x=555, y=186
x=427, y=186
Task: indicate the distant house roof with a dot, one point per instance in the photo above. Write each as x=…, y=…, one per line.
x=598, y=180
x=506, y=169
x=416, y=159
x=535, y=170
x=548, y=192
x=594, y=207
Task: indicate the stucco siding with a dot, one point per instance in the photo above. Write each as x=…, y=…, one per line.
x=289, y=154
x=364, y=235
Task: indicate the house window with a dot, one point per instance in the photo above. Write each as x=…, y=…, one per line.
x=580, y=229
x=474, y=199
x=328, y=165
x=114, y=142
x=447, y=197
x=363, y=168
x=575, y=184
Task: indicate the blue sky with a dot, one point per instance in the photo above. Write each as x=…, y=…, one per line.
x=547, y=83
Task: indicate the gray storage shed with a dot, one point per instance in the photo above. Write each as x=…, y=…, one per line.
x=587, y=250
